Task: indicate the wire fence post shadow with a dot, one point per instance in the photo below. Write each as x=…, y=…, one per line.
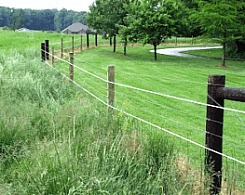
x=214, y=132
x=71, y=66
x=111, y=89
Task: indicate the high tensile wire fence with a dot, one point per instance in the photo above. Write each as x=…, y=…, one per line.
x=215, y=141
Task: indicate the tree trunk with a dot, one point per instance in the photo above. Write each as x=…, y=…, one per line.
x=155, y=52
x=110, y=41
x=114, y=43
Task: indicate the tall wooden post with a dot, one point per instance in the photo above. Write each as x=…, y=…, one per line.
x=52, y=59
x=96, y=39
x=87, y=40
x=71, y=66
x=114, y=43
x=111, y=88
x=72, y=44
x=214, y=132
x=43, y=55
x=47, y=49
x=62, y=48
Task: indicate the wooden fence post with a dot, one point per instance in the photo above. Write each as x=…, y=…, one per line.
x=87, y=40
x=47, y=49
x=72, y=44
x=96, y=39
x=71, y=66
x=52, y=59
x=214, y=132
x=111, y=88
x=81, y=43
x=61, y=48
x=43, y=52
x=114, y=43
x=176, y=41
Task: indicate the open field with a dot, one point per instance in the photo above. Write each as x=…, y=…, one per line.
x=178, y=77
x=56, y=139
x=18, y=41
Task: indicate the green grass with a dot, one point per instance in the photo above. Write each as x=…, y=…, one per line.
x=56, y=139
x=11, y=41
x=181, y=77
x=211, y=53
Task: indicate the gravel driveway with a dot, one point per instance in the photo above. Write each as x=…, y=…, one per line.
x=178, y=51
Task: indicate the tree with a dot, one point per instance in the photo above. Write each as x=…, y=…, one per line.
x=154, y=20
x=107, y=16
x=236, y=47
x=192, y=29
x=16, y=19
x=219, y=19
x=4, y=16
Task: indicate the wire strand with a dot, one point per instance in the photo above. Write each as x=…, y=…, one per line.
x=154, y=125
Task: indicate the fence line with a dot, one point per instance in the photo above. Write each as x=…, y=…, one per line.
x=213, y=150
x=147, y=122
x=152, y=92
x=106, y=81
x=189, y=127
x=151, y=124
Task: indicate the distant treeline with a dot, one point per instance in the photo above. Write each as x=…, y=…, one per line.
x=47, y=19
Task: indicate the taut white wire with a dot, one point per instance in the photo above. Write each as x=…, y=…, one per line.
x=152, y=92
x=156, y=126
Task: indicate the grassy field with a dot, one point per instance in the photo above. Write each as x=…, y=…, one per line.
x=211, y=53
x=179, y=77
x=55, y=139
x=11, y=41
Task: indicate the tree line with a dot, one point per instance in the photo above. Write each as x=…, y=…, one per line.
x=153, y=21
x=45, y=20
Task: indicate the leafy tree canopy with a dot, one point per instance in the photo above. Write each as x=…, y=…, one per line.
x=221, y=19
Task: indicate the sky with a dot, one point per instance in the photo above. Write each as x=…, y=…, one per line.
x=76, y=5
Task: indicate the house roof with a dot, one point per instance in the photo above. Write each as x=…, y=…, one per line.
x=76, y=28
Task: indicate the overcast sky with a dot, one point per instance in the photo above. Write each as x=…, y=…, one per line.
x=76, y=5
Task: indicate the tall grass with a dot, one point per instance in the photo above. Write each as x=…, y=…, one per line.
x=184, y=78
x=56, y=140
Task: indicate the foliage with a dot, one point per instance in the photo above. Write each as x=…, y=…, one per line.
x=16, y=19
x=46, y=20
x=153, y=21
x=220, y=19
x=106, y=16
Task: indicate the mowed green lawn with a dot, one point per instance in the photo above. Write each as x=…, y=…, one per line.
x=11, y=41
x=174, y=76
